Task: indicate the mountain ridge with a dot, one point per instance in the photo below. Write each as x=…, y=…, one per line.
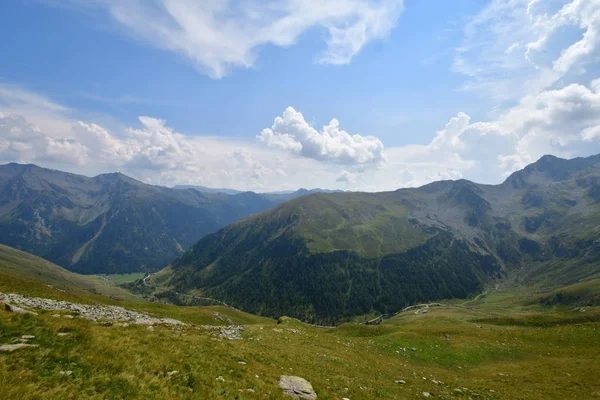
x=324, y=257
x=111, y=222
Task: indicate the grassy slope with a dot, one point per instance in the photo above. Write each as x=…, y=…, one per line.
x=502, y=345
x=13, y=261
x=119, y=279
x=497, y=361
x=27, y=274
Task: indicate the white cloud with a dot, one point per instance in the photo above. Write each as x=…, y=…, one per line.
x=23, y=141
x=564, y=122
x=218, y=35
x=347, y=178
x=514, y=48
x=292, y=133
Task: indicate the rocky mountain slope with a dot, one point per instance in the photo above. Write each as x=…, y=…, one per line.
x=324, y=257
x=110, y=223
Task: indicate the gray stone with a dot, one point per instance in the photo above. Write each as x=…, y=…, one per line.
x=12, y=347
x=93, y=312
x=296, y=387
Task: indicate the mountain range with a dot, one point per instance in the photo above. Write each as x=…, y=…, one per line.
x=111, y=223
x=329, y=256
x=321, y=256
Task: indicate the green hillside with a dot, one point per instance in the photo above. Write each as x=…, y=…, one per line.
x=328, y=257
x=110, y=223
x=18, y=265
x=502, y=345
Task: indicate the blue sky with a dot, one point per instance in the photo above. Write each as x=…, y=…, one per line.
x=422, y=90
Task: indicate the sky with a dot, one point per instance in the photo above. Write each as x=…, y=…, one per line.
x=269, y=95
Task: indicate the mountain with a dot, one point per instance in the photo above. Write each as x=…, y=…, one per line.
x=205, y=189
x=329, y=256
x=110, y=223
x=279, y=196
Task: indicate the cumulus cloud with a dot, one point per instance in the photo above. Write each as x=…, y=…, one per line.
x=219, y=35
x=292, y=133
x=293, y=154
x=23, y=141
x=563, y=122
x=346, y=177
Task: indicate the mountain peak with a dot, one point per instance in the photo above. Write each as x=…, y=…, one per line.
x=549, y=169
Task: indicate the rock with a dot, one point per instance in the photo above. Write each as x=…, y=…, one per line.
x=457, y=391
x=400, y=381
x=12, y=347
x=241, y=363
x=63, y=334
x=66, y=373
x=27, y=337
x=92, y=312
x=108, y=323
x=473, y=394
x=17, y=310
x=296, y=387
x=250, y=390
x=426, y=394
x=231, y=332
x=220, y=379
x=172, y=373
x=413, y=349
x=150, y=327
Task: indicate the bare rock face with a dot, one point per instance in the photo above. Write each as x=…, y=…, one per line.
x=296, y=387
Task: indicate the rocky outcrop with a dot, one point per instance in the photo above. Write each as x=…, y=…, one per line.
x=95, y=312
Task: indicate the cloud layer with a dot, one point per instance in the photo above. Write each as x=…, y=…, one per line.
x=292, y=133
x=220, y=35
x=292, y=154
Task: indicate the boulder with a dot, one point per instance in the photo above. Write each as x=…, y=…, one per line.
x=296, y=387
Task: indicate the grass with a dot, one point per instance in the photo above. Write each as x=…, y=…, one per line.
x=120, y=279
x=352, y=361
x=501, y=345
x=19, y=264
